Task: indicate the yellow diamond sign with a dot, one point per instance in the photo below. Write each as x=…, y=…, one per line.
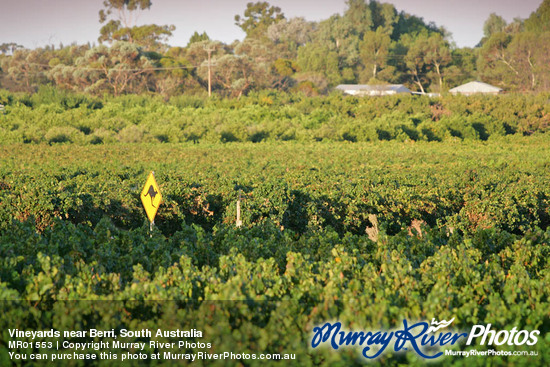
x=151, y=197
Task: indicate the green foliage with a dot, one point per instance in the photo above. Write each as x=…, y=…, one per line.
x=367, y=234
x=301, y=195
x=539, y=21
x=258, y=17
x=494, y=24
x=266, y=116
x=284, y=67
x=362, y=210
x=370, y=42
x=196, y=37
x=123, y=27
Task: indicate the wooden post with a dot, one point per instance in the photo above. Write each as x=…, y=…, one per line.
x=239, y=222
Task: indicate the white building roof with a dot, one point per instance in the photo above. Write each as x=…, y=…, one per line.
x=382, y=89
x=475, y=87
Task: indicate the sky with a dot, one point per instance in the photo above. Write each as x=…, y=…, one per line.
x=36, y=23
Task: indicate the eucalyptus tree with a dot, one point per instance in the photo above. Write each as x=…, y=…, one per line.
x=438, y=56
x=375, y=49
x=120, y=24
x=289, y=35
x=27, y=69
x=414, y=50
x=258, y=17
x=539, y=20
x=121, y=68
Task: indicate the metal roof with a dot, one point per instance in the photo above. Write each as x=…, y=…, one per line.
x=476, y=87
x=398, y=88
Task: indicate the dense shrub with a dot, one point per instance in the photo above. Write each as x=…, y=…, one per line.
x=270, y=117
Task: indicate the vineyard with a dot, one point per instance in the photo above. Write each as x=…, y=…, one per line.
x=52, y=116
x=367, y=233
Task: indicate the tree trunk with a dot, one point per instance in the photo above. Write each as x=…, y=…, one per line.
x=417, y=81
x=439, y=77
x=531, y=69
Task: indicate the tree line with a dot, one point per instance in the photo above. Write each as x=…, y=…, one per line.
x=371, y=42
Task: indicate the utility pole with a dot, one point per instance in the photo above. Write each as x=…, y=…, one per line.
x=209, y=49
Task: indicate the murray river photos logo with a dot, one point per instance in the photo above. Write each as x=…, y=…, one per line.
x=424, y=339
